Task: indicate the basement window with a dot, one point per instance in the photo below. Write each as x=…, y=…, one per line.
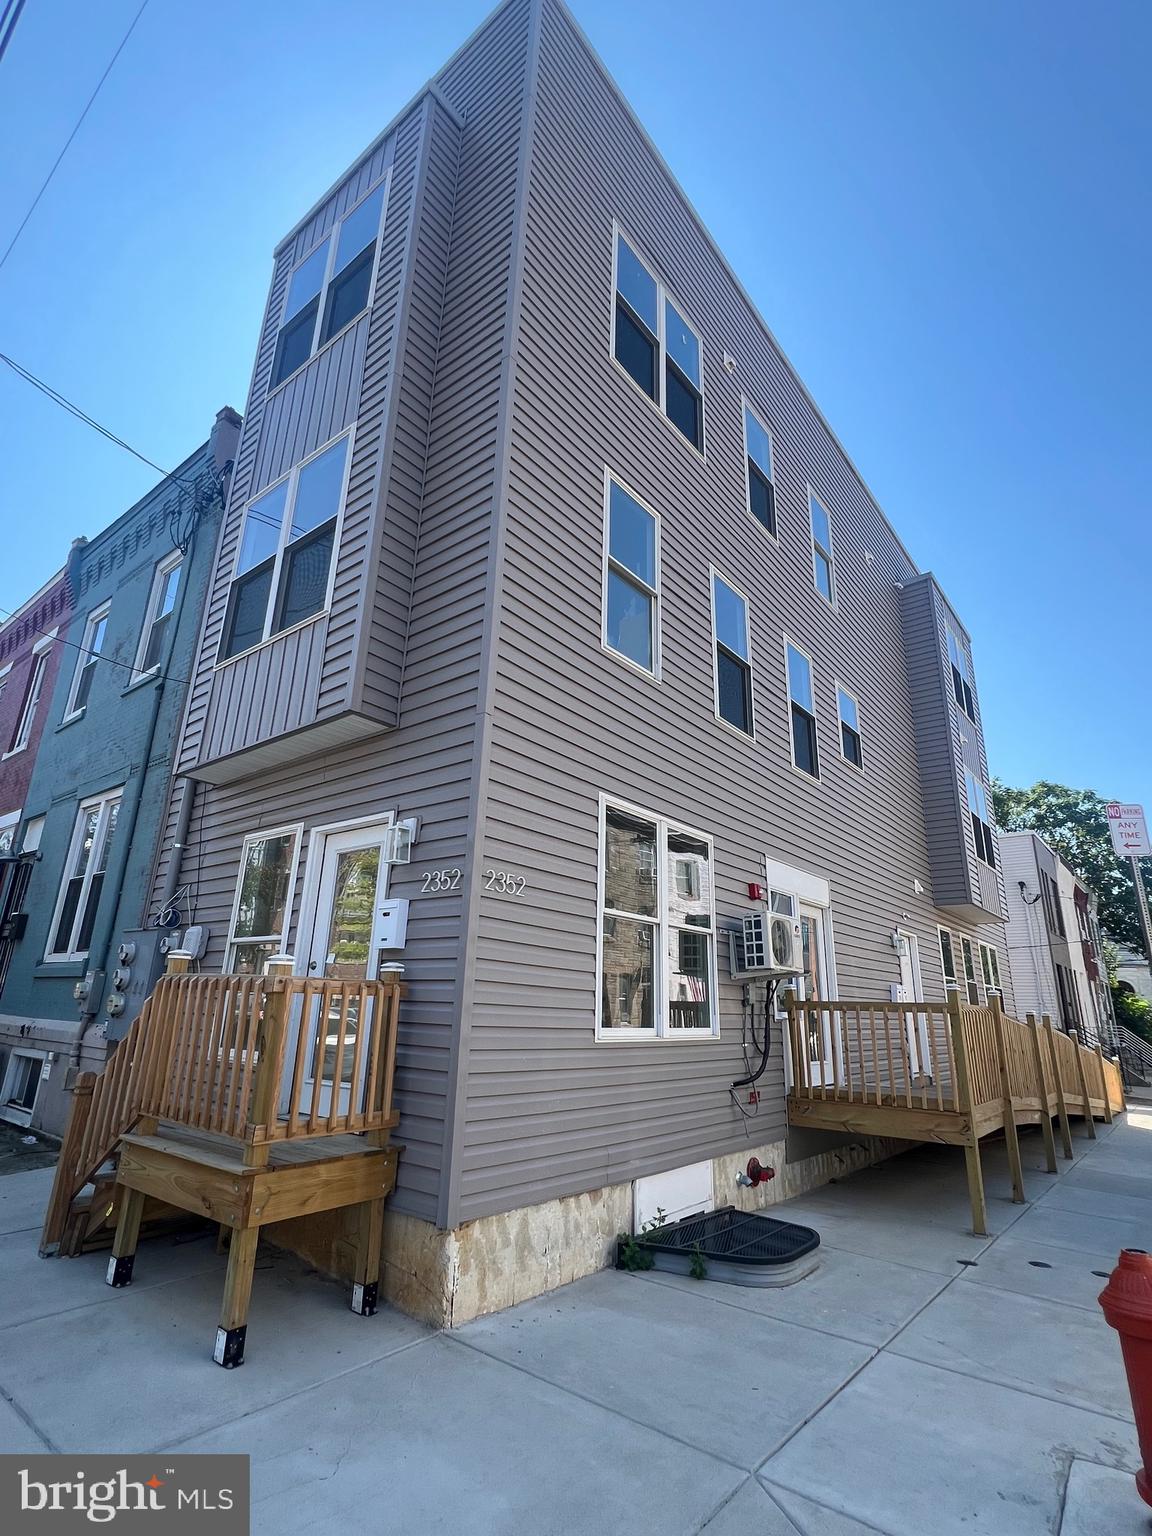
x=657, y=929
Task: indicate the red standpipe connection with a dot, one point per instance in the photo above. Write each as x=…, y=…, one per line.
x=1127, y=1304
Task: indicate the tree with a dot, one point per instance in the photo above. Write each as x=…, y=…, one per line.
x=1075, y=823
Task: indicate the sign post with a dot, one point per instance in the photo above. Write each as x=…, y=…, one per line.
x=1130, y=840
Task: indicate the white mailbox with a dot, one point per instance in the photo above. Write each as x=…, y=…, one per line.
x=392, y=924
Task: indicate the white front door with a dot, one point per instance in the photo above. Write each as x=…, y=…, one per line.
x=813, y=985
x=344, y=945
x=912, y=991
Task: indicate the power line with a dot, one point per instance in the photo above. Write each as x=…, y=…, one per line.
x=8, y=20
x=44, y=185
x=168, y=677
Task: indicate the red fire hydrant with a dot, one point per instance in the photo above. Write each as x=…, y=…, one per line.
x=1127, y=1304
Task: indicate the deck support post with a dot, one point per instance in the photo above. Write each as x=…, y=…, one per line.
x=230, y=1335
x=1011, y=1135
x=1104, y=1085
x=1045, y=1106
x=1061, y=1103
x=366, y=1276
x=963, y=1091
x=127, y=1236
x=1089, y=1119
x=64, y=1180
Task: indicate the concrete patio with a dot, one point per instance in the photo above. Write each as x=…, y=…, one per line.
x=921, y=1383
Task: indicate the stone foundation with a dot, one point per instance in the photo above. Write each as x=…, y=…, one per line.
x=448, y=1278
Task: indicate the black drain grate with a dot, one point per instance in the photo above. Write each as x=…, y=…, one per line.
x=737, y=1237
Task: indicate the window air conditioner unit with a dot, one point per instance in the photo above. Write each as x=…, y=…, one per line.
x=767, y=944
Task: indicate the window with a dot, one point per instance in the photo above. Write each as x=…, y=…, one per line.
x=948, y=960
x=1053, y=911
x=1069, y=998
x=805, y=748
x=285, y=554
x=8, y=826
x=961, y=676
x=263, y=905
x=656, y=346
x=850, y=748
x=161, y=605
x=657, y=929
x=970, y=982
x=87, y=862
x=733, y=656
x=94, y=632
x=32, y=694
x=21, y=1085
x=981, y=819
x=330, y=287
x=758, y=463
x=823, y=573
x=990, y=968
x=631, y=579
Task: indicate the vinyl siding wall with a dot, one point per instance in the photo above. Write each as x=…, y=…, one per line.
x=429, y=432
x=549, y=1110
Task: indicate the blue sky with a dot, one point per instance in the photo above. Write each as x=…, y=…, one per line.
x=941, y=209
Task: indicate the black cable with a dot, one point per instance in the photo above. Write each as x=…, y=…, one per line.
x=68, y=142
x=8, y=20
x=769, y=1004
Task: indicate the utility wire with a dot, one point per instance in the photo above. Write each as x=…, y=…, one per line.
x=44, y=185
x=8, y=19
x=168, y=677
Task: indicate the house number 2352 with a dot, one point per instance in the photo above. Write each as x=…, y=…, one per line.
x=504, y=883
x=441, y=880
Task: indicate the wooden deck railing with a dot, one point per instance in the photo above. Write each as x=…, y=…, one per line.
x=258, y=1059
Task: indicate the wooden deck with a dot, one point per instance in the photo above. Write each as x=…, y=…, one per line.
x=244, y=1100
x=944, y=1072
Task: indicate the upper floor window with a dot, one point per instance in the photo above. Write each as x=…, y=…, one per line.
x=758, y=464
x=32, y=694
x=657, y=928
x=284, y=561
x=330, y=287
x=823, y=567
x=263, y=903
x=849, y=712
x=981, y=819
x=631, y=580
x=84, y=870
x=95, y=631
x=733, y=655
x=961, y=676
x=158, y=618
x=656, y=346
x=802, y=710
x=1053, y=911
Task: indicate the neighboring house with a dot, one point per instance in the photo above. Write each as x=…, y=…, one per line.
x=100, y=784
x=1133, y=971
x=537, y=545
x=1054, y=939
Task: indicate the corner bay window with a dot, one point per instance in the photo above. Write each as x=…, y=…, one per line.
x=802, y=710
x=733, y=655
x=981, y=819
x=84, y=870
x=656, y=346
x=285, y=553
x=330, y=287
x=657, y=969
x=961, y=676
x=632, y=556
x=259, y=927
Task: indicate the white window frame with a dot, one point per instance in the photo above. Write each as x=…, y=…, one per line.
x=774, y=532
x=33, y=695
x=828, y=554
x=858, y=728
x=810, y=778
x=8, y=1114
x=973, y=782
x=9, y=821
x=953, y=641
x=652, y=674
x=292, y=478
x=750, y=734
x=333, y=238
x=295, y=830
x=661, y=924
x=164, y=568
x=966, y=943
x=663, y=294
x=98, y=616
x=106, y=799
x=990, y=989
x=953, y=983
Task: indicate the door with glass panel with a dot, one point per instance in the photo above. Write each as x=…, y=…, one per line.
x=344, y=946
x=812, y=985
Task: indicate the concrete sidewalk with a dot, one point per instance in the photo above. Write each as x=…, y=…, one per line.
x=921, y=1383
